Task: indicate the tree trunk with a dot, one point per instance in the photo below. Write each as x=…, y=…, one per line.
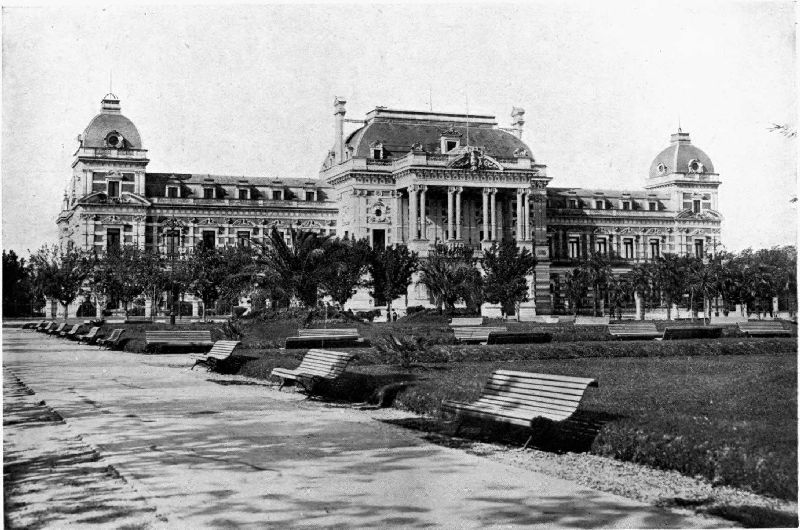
x=639, y=306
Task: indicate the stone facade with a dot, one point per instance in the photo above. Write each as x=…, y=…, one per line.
x=416, y=178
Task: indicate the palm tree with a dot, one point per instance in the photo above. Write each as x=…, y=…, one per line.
x=669, y=278
x=702, y=280
x=597, y=271
x=446, y=275
x=299, y=265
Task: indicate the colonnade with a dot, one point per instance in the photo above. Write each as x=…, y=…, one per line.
x=491, y=209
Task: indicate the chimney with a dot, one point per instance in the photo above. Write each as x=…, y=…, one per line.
x=517, y=120
x=338, y=148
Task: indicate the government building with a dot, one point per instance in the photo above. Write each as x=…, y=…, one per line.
x=401, y=177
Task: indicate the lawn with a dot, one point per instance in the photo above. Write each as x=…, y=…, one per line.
x=724, y=408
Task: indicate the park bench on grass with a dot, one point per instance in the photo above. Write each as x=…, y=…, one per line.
x=89, y=337
x=317, y=366
x=47, y=327
x=319, y=338
x=476, y=333
x=520, y=397
x=634, y=330
x=71, y=332
x=591, y=321
x=112, y=340
x=764, y=328
x=41, y=325
x=221, y=353
x=57, y=330
x=180, y=339
x=518, y=337
x=692, y=332
x=32, y=325
x=466, y=321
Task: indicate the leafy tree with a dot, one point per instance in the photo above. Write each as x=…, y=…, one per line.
x=449, y=275
x=640, y=278
x=59, y=273
x=19, y=295
x=702, y=280
x=299, y=266
x=213, y=271
x=506, y=269
x=620, y=293
x=668, y=274
x=117, y=274
x=577, y=285
x=347, y=262
x=390, y=271
x=153, y=277
x=596, y=272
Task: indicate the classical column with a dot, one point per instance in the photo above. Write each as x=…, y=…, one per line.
x=423, y=216
x=413, y=217
x=451, y=191
x=493, y=191
x=397, y=220
x=486, y=192
x=459, y=190
x=520, y=220
x=526, y=215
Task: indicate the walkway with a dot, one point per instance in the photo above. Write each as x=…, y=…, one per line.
x=203, y=450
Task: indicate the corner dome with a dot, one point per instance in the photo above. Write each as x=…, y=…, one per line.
x=680, y=157
x=110, y=128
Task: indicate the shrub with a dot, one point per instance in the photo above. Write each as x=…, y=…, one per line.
x=238, y=311
x=86, y=309
x=368, y=315
x=414, y=309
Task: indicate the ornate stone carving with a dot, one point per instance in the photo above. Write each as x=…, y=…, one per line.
x=475, y=159
x=451, y=132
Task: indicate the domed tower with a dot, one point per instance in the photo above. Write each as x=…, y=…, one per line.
x=686, y=174
x=105, y=201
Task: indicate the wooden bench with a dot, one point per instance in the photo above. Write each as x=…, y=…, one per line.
x=466, y=321
x=90, y=337
x=220, y=353
x=520, y=397
x=41, y=325
x=692, y=332
x=518, y=337
x=476, y=333
x=72, y=331
x=634, y=330
x=591, y=321
x=328, y=332
x=764, y=328
x=57, y=330
x=112, y=340
x=33, y=325
x=316, y=366
x=182, y=339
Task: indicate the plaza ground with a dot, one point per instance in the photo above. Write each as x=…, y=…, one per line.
x=182, y=448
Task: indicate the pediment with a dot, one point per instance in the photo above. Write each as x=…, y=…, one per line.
x=474, y=159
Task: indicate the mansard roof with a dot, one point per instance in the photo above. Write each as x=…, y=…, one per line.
x=397, y=131
x=607, y=193
x=156, y=182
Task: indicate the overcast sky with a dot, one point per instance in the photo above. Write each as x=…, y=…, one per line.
x=248, y=90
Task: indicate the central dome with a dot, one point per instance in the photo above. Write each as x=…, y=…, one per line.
x=110, y=128
x=680, y=157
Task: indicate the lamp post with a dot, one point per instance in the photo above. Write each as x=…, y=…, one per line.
x=173, y=226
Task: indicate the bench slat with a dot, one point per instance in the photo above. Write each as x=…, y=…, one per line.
x=549, y=377
x=524, y=404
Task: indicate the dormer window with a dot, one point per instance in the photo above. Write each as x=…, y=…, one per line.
x=277, y=195
x=173, y=192
x=572, y=203
x=244, y=194
x=599, y=204
x=449, y=145
x=626, y=205
x=311, y=196
x=208, y=193
x=653, y=206
x=115, y=140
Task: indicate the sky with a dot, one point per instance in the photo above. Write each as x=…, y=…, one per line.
x=248, y=90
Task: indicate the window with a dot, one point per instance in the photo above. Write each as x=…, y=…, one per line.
x=627, y=247
x=626, y=205
x=449, y=145
x=172, y=192
x=208, y=193
x=377, y=153
x=112, y=239
x=243, y=238
x=244, y=194
x=654, y=248
x=698, y=248
x=572, y=203
x=113, y=188
x=599, y=205
x=277, y=195
x=574, y=247
x=172, y=241
x=601, y=246
x=311, y=196
x=653, y=206
x=209, y=239
x=696, y=206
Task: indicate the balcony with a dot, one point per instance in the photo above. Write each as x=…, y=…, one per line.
x=103, y=152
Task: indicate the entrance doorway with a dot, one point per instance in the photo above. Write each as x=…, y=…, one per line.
x=379, y=238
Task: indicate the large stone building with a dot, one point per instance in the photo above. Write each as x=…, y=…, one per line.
x=416, y=178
